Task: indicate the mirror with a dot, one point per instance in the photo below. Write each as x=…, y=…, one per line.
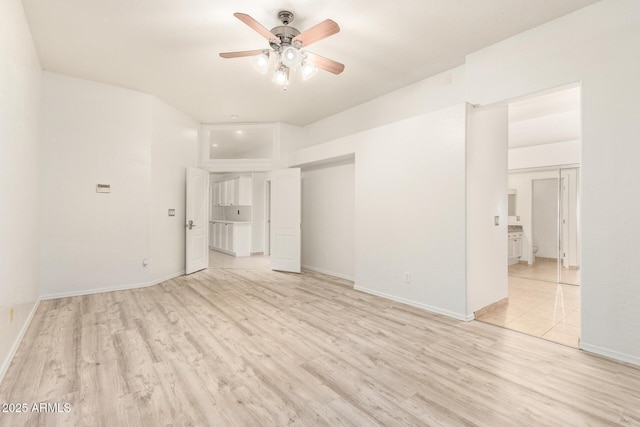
x=512, y=203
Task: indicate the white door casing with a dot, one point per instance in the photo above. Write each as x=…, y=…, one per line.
x=564, y=222
x=196, y=228
x=286, y=220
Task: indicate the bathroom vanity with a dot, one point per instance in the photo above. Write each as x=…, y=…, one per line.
x=514, y=238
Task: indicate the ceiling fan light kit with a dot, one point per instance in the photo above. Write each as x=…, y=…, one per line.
x=287, y=43
x=261, y=62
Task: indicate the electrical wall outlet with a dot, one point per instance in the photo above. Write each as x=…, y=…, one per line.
x=406, y=277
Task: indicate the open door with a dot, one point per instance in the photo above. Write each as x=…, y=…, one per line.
x=285, y=220
x=197, y=245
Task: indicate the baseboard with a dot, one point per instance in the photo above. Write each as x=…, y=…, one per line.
x=329, y=273
x=426, y=307
x=611, y=354
x=111, y=288
x=482, y=311
x=18, y=340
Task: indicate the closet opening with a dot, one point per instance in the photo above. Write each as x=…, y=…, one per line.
x=544, y=218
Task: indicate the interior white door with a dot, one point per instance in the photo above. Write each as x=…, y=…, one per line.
x=197, y=250
x=285, y=220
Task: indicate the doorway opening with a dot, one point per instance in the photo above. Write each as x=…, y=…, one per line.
x=236, y=223
x=544, y=218
x=256, y=217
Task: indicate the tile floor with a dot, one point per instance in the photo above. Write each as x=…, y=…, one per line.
x=545, y=269
x=543, y=309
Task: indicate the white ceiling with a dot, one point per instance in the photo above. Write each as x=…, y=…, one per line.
x=169, y=48
x=545, y=119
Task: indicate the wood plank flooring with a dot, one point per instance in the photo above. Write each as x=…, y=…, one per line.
x=234, y=347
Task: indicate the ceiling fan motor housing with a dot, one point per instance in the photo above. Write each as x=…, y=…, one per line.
x=285, y=34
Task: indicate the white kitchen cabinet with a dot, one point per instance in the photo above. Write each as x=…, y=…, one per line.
x=216, y=199
x=242, y=188
x=233, y=238
x=230, y=228
x=217, y=237
x=232, y=192
x=229, y=235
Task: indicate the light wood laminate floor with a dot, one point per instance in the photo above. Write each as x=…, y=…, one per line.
x=234, y=347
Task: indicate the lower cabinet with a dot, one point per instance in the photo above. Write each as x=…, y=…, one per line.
x=233, y=238
x=514, y=248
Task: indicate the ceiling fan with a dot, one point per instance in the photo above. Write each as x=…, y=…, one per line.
x=287, y=44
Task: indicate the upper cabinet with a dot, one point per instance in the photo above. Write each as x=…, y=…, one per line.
x=232, y=192
x=240, y=147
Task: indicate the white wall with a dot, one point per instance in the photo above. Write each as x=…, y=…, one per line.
x=556, y=154
x=20, y=97
x=409, y=208
x=94, y=133
x=432, y=94
x=410, y=211
x=328, y=215
x=486, y=175
x=597, y=46
x=174, y=147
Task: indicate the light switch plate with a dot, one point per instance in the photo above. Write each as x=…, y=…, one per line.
x=103, y=188
x=172, y=212
x=496, y=220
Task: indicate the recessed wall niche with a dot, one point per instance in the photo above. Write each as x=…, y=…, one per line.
x=239, y=144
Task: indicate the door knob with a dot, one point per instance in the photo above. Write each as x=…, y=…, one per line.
x=191, y=224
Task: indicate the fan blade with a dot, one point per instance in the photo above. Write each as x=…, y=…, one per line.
x=257, y=27
x=318, y=32
x=242, y=53
x=325, y=63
